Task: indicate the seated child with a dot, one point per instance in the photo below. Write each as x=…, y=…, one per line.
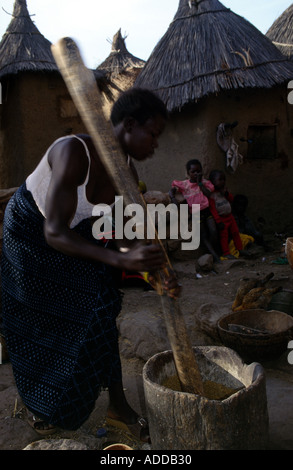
x=196, y=190
x=221, y=210
x=245, y=224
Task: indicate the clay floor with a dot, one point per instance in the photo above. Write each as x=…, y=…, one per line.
x=215, y=288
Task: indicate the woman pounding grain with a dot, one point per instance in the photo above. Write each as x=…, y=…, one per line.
x=59, y=291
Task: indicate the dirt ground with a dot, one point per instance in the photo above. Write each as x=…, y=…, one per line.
x=217, y=287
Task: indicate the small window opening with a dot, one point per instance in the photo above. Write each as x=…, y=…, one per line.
x=262, y=142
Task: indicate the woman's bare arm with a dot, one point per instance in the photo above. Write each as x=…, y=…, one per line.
x=68, y=173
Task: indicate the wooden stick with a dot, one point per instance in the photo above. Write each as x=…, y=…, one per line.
x=83, y=88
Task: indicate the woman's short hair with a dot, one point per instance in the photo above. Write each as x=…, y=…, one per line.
x=138, y=103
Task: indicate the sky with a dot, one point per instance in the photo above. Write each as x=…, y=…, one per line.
x=93, y=23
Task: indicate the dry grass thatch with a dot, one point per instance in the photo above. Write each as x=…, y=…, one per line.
x=281, y=32
x=208, y=48
x=23, y=47
x=120, y=59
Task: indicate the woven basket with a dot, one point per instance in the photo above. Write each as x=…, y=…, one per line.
x=257, y=347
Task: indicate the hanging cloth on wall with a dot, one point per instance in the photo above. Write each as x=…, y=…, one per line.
x=227, y=143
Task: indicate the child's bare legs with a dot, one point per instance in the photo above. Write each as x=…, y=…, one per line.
x=209, y=237
x=214, y=237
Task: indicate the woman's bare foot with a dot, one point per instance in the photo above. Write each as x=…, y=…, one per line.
x=41, y=426
x=120, y=414
x=138, y=427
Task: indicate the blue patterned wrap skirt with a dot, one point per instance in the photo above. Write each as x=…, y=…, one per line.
x=59, y=317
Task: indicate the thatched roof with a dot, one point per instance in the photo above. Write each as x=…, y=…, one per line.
x=119, y=59
x=23, y=47
x=208, y=48
x=281, y=32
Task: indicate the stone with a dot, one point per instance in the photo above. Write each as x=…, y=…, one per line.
x=208, y=316
x=205, y=262
x=143, y=334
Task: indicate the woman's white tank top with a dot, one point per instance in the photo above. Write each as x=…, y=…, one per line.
x=38, y=182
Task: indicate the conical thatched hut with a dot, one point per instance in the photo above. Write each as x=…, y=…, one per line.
x=36, y=106
x=120, y=59
x=213, y=67
x=23, y=48
x=121, y=67
x=281, y=32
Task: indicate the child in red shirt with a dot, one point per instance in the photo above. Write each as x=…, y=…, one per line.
x=221, y=210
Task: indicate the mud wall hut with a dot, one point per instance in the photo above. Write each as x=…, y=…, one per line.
x=213, y=67
x=36, y=106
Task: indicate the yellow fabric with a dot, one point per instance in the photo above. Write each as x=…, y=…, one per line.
x=154, y=282
x=145, y=275
x=246, y=239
